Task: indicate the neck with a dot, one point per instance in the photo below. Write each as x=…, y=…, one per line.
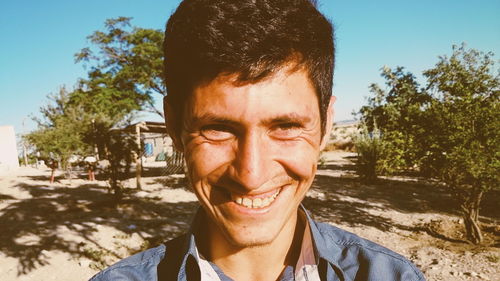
x=262, y=262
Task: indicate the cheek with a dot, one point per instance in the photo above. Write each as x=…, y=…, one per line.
x=204, y=160
x=300, y=160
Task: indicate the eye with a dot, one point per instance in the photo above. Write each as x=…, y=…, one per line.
x=286, y=131
x=216, y=132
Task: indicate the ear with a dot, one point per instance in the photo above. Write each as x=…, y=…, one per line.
x=329, y=122
x=170, y=121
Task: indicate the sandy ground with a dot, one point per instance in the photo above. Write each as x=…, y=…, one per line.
x=71, y=229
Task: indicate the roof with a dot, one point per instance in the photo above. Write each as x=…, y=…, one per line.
x=147, y=127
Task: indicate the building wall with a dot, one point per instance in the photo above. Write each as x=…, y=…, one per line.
x=8, y=150
x=161, y=143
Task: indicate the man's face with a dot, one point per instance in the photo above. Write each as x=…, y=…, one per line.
x=251, y=152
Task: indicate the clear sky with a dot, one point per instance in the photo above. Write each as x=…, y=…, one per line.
x=39, y=39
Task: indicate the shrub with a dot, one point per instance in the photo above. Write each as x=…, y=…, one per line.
x=370, y=149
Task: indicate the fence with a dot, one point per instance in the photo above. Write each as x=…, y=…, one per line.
x=175, y=163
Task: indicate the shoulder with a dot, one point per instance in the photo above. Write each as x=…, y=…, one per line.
x=141, y=266
x=361, y=257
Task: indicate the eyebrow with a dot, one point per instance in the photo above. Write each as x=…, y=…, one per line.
x=288, y=118
x=278, y=119
x=212, y=118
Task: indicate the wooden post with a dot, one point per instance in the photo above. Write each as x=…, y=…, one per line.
x=138, y=161
x=96, y=150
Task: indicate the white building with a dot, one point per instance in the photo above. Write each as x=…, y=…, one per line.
x=8, y=150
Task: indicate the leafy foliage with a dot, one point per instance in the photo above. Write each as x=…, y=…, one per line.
x=59, y=133
x=126, y=58
x=120, y=148
x=449, y=130
x=465, y=150
x=397, y=113
x=371, y=149
x=126, y=66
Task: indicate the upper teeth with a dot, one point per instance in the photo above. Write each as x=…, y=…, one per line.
x=256, y=202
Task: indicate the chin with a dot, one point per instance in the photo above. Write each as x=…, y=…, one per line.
x=250, y=242
x=247, y=238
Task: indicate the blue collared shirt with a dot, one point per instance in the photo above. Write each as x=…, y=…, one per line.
x=341, y=256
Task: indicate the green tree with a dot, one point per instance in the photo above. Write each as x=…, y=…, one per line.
x=92, y=115
x=120, y=147
x=126, y=65
x=125, y=69
x=131, y=57
x=449, y=130
x=109, y=105
x=60, y=130
x=395, y=112
x=463, y=132
x=372, y=153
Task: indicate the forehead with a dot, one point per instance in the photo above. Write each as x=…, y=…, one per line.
x=283, y=93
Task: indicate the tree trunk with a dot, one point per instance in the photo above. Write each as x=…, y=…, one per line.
x=114, y=181
x=471, y=216
x=67, y=172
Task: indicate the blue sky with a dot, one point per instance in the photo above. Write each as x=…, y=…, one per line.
x=39, y=39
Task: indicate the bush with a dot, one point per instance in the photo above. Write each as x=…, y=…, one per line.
x=370, y=148
x=379, y=154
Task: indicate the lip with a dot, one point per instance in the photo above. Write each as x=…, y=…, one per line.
x=260, y=195
x=238, y=209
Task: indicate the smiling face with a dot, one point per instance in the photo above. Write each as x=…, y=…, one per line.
x=251, y=152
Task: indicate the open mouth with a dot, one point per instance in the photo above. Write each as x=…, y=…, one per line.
x=255, y=202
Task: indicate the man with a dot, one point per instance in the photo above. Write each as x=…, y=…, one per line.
x=249, y=103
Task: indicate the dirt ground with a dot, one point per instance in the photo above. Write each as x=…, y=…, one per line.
x=71, y=229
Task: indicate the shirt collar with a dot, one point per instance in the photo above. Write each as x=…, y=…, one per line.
x=307, y=263
x=310, y=254
x=327, y=251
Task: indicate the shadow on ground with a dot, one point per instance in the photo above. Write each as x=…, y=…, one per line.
x=30, y=226
x=5, y=197
x=346, y=200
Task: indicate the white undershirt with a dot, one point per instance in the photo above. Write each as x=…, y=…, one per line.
x=305, y=270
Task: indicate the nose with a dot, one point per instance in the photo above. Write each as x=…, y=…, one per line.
x=253, y=162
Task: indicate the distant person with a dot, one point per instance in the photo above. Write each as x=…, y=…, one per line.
x=53, y=165
x=250, y=105
x=91, y=163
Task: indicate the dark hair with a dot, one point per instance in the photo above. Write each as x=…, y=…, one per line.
x=250, y=38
